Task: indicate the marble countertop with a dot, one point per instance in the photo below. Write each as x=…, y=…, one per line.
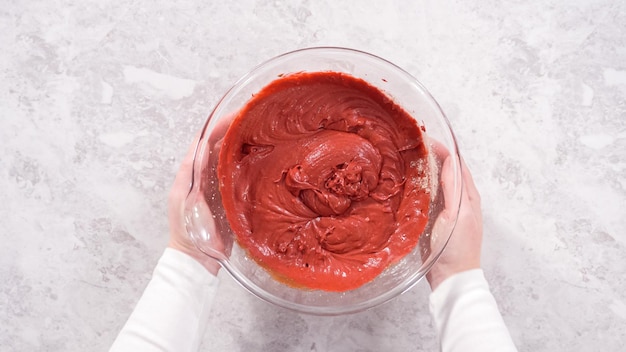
x=99, y=100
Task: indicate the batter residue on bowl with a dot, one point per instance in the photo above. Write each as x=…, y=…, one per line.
x=324, y=180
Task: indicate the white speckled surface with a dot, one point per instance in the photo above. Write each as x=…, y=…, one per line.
x=98, y=103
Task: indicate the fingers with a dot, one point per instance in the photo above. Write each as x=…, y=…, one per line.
x=220, y=128
x=186, y=165
x=182, y=181
x=447, y=175
x=439, y=150
x=468, y=183
x=191, y=150
x=447, y=182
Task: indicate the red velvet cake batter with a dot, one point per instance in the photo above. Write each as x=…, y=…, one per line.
x=324, y=180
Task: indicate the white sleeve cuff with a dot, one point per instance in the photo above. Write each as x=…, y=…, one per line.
x=172, y=312
x=466, y=315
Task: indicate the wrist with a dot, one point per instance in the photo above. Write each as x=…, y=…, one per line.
x=437, y=275
x=210, y=264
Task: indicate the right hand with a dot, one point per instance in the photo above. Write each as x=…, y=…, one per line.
x=463, y=250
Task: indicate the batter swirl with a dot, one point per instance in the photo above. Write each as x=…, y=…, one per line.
x=323, y=180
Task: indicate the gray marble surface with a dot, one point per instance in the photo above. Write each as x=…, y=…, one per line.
x=99, y=100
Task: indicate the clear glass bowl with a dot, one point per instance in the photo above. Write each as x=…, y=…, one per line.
x=206, y=220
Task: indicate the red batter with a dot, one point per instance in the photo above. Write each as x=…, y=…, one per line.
x=323, y=180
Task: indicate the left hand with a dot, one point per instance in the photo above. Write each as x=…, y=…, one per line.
x=179, y=238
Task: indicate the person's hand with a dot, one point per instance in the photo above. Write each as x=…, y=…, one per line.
x=463, y=250
x=179, y=239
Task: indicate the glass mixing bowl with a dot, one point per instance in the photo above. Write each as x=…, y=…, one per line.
x=208, y=226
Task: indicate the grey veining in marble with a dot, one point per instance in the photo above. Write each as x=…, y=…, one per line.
x=99, y=99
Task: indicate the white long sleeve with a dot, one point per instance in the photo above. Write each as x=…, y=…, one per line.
x=172, y=312
x=466, y=315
